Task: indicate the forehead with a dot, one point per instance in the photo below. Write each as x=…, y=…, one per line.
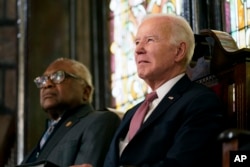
x=66, y=66
x=153, y=27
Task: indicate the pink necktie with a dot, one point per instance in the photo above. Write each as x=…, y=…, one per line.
x=140, y=114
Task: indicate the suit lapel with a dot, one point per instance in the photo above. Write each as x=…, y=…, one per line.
x=170, y=98
x=123, y=128
x=63, y=127
x=162, y=108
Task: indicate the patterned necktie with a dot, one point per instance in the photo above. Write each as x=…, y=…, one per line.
x=139, y=115
x=48, y=132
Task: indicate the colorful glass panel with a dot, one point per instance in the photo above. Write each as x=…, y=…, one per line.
x=237, y=18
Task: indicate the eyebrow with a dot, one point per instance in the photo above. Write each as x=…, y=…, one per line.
x=149, y=36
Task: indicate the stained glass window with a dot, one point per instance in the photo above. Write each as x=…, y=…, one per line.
x=127, y=88
x=237, y=21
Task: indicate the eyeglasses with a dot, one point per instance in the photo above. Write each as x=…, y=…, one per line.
x=57, y=77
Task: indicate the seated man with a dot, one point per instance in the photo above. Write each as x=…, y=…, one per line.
x=78, y=134
x=179, y=124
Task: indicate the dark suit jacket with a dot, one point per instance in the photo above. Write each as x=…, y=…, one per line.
x=181, y=131
x=82, y=136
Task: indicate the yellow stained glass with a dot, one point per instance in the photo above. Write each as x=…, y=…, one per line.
x=241, y=17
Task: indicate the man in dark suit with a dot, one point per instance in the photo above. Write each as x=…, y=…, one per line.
x=80, y=135
x=180, y=128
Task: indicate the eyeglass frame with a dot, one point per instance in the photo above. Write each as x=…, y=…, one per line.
x=48, y=77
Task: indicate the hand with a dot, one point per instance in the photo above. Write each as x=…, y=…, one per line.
x=82, y=165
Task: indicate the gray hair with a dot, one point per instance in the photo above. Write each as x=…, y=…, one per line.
x=83, y=72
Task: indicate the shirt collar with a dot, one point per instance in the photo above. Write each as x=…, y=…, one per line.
x=165, y=88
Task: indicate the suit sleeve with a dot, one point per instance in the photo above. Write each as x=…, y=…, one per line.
x=97, y=138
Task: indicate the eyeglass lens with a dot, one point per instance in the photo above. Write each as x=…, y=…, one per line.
x=56, y=78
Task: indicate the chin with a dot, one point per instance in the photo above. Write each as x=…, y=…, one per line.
x=48, y=107
x=141, y=75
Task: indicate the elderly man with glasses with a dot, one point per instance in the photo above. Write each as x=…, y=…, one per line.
x=76, y=133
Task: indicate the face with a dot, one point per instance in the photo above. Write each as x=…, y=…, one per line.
x=64, y=95
x=155, y=57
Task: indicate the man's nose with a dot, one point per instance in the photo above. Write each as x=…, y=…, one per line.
x=48, y=83
x=139, y=49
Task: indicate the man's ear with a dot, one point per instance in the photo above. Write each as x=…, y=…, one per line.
x=181, y=52
x=86, y=93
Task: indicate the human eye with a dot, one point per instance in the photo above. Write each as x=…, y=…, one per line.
x=40, y=81
x=150, y=39
x=57, y=77
x=137, y=42
x=43, y=80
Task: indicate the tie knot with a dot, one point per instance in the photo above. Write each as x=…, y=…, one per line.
x=54, y=122
x=151, y=96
